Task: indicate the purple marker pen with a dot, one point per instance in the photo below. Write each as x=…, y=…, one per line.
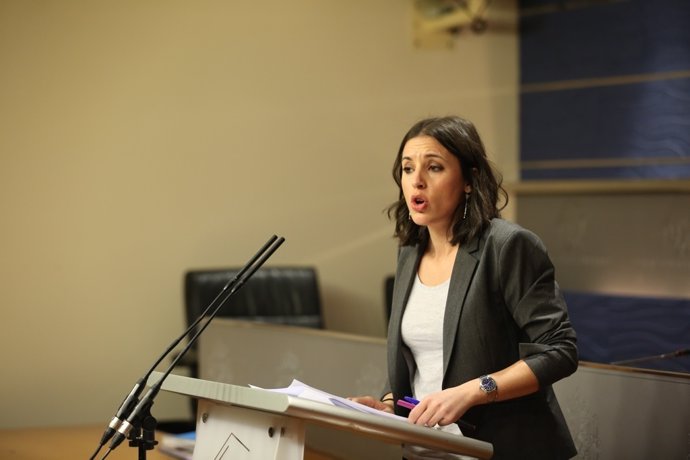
x=405, y=404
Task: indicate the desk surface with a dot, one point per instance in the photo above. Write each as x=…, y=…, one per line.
x=61, y=442
x=58, y=443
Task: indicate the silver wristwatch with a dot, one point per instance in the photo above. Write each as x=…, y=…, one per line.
x=488, y=385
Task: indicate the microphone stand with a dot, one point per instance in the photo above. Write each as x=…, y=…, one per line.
x=143, y=434
x=133, y=419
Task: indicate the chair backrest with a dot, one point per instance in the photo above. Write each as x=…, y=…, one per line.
x=281, y=295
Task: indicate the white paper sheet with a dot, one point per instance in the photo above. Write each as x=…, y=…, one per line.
x=302, y=390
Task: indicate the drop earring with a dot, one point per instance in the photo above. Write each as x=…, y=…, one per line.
x=464, y=213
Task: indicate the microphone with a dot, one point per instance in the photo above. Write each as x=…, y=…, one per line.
x=130, y=409
x=673, y=354
x=144, y=405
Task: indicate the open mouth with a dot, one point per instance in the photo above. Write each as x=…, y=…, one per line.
x=418, y=204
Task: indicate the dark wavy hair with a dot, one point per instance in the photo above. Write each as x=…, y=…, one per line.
x=460, y=138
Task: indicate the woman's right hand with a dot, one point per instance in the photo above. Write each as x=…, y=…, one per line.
x=386, y=406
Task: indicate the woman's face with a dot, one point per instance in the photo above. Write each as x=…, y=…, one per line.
x=432, y=182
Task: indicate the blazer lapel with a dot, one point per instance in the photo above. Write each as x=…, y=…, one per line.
x=398, y=366
x=408, y=263
x=460, y=279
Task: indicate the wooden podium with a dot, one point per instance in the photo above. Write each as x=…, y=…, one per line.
x=246, y=423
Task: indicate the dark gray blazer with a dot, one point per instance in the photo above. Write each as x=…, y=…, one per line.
x=503, y=305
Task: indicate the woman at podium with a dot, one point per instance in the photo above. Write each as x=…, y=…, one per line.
x=479, y=330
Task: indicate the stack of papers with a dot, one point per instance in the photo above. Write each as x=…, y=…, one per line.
x=302, y=390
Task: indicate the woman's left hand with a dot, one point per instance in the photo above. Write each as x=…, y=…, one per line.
x=386, y=405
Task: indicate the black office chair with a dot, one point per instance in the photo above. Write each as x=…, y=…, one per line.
x=278, y=295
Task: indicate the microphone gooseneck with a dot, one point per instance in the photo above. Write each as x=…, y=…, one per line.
x=670, y=355
x=132, y=408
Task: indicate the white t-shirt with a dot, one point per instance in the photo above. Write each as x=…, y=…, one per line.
x=422, y=332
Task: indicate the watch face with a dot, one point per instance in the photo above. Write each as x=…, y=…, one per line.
x=488, y=384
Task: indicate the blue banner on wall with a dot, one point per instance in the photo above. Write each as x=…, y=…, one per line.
x=621, y=328
x=605, y=90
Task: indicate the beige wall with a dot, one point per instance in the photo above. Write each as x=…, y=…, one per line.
x=143, y=138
